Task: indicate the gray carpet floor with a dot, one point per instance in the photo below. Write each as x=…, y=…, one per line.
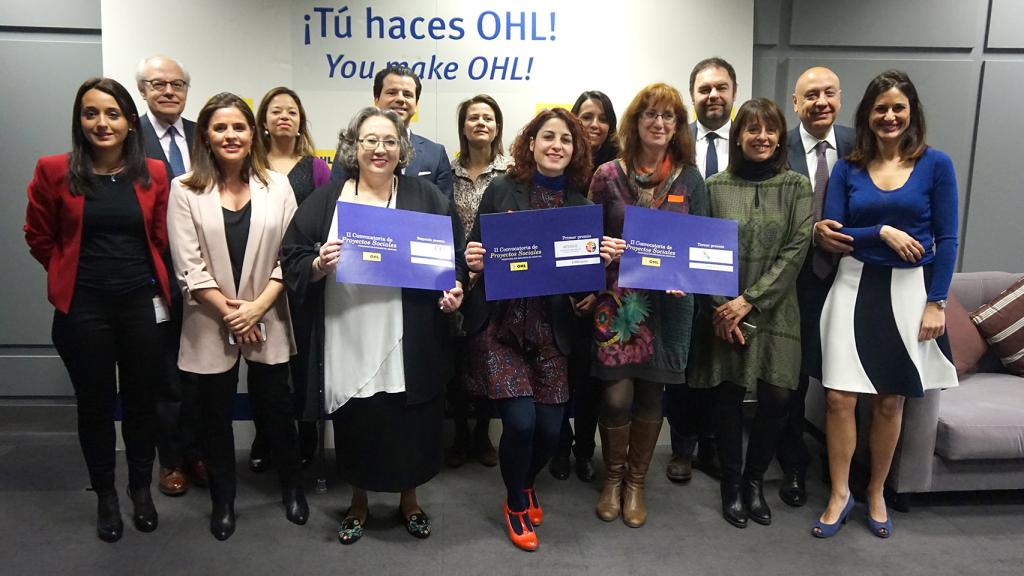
x=47, y=527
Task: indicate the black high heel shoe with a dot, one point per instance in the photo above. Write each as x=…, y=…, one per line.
x=222, y=520
x=144, y=516
x=733, y=510
x=753, y=500
x=296, y=509
x=109, y=526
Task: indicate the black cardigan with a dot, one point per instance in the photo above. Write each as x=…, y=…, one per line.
x=426, y=339
x=507, y=195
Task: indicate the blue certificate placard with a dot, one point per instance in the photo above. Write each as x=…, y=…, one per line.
x=385, y=247
x=541, y=252
x=672, y=251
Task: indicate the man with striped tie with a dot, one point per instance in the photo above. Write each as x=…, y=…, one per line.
x=163, y=83
x=814, y=147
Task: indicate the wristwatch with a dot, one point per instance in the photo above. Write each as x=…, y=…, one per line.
x=940, y=303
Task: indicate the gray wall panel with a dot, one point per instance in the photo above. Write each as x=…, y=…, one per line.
x=767, y=16
x=40, y=118
x=1005, y=29
x=51, y=13
x=946, y=88
x=907, y=23
x=765, y=73
x=996, y=232
x=34, y=373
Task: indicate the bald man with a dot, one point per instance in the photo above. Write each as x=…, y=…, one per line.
x=814, y=147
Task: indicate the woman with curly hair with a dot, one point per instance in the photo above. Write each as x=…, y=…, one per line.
x=641, y=337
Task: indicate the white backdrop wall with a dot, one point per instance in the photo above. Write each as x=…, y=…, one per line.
x=526, y=54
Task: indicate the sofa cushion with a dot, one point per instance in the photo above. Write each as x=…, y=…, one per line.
x=983, y=418
x=964, y=341
x=1001, y=322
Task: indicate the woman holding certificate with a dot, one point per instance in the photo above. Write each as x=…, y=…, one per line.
x=521, y=346
x=641, y=337
x=226, y=219
x=751, y=343
x=382, y=353
x=892, y=209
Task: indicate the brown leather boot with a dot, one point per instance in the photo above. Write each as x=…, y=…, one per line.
x=642, y=439
x=614, y=442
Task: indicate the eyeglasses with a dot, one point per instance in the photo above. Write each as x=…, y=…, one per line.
x=370, y=143
x=161, y=85
x=651, y=116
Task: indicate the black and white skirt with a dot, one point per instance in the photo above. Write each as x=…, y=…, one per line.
x=869, y=329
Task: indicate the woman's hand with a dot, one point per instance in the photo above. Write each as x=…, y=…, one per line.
x=828, y=238
x=732, y=312
x=251, y=336
x=903, y=244
x=451, y=299
x=933, y=322
x=731, y=334
x=584, y=306
x=611, y=249
x=475, y=256
x=327, y=260
x=244, y=317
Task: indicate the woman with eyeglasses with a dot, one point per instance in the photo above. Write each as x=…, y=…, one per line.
x=481, y=159
x=285, y=146
x=382, y=353
x=751, y=343
x=227, y=217
x=641, y=337
x=595, y=111
x=96, y=221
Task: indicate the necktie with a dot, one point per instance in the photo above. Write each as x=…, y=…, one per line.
x=822, y=262
x=711, y=161
x=176, y=161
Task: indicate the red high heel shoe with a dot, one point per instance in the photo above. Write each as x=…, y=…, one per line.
x=528, y=539
x=534, y=510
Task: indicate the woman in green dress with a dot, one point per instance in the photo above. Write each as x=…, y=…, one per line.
x=751, y=343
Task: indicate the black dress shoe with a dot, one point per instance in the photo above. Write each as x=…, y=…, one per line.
x=222, y=521
x=559, y=467
x=733, y=510
x=144, y=516
x=585, y=469
x=753, y=500
x=260, y=464
x=296, y=509
x=109, y=526
x=793, y=490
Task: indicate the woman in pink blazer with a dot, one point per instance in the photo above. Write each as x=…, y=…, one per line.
x=226, y=219
x=95, y=221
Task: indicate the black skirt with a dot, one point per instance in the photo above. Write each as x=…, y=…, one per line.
x=384, y=445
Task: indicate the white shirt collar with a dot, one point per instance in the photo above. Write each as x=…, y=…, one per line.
x=722, y=132
x=161, y=128
x=810, y=140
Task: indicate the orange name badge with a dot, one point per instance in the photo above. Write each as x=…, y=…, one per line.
x=676, y=198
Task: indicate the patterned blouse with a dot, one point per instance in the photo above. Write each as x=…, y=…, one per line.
x=468, y=193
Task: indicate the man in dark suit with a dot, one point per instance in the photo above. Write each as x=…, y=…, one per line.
x=163, y=83
x=814, y=148
x=397, y=88
x=713, y=90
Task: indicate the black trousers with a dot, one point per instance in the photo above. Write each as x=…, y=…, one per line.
x=108, y=341
x=690, y=414
x=273, y=416
x=586, y=402
x=772, y=403
x=177, y=402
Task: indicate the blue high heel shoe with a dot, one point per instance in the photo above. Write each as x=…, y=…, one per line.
x=823, y=530
x=880, y=529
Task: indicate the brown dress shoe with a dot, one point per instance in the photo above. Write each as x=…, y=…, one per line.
x=173, y=481
x=680, y=468
x=198, y=474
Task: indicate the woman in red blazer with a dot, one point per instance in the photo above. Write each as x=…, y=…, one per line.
x=97, y=222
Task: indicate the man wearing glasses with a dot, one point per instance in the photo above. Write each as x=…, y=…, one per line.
x=398, y=89
x=163, y=83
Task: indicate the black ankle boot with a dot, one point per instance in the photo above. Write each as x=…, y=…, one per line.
x=733, y=510
x=109, y=526
x=560, y=467
x=144, y=517
x=222, y=520
x=585, y=469
x=296, y=509
x=753, y=500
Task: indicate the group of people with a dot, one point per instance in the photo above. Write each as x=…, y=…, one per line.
x=188, y=246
